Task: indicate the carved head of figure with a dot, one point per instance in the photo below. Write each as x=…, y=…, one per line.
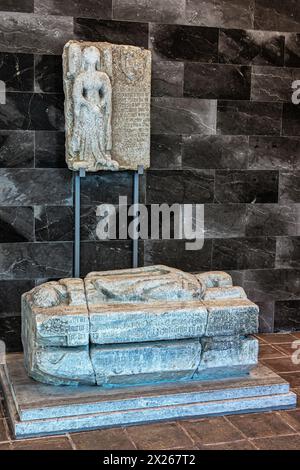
x=91, y=58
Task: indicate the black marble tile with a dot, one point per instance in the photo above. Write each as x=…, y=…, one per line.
x=29, y=111
x=270, y=153
x=166, y=151
x=53, y=223
x=16, y=149
x=217, y=81
x=40, y=34
x=35, y=260
x=266, y=317
x=272, y=219
x=116, y=32
x=95, y=224
x=106, y=187
x=50, y=149
x=246, y=47
x=243, y=253
x=85, y=8
x=105, y=255
x=224, y=220
x=246, y=186
x=184, y=43
x=291, y=119
x=25, y=187
x=221, y=13
x=10, y=296
x=25, y=6
x=180, y=186
x=10, y=333
x=292, y=50
x=249, y=118
x=183, y=116
x=287, y=315
x=161, y=11
x=174, y=253
x=215, y=151
x=48, y=73
x=288, y=252
x=264, y=285
x=16, y=224
x=17, y=71
x=273, y=83
x=277, y=15
x=289, y=187
x=167, y=78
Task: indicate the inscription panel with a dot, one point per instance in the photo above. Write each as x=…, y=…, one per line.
x=147, y=325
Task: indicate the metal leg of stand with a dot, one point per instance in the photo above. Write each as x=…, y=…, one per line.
x=78, y=176
x=136, y=200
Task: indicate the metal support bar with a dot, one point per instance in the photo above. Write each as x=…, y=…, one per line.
x=78, y=176
x=136, y=200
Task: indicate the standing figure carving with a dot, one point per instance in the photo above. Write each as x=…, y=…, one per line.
x=92, y=101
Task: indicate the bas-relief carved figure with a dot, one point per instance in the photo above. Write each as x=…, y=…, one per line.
x=107, y=106
x=138, y=326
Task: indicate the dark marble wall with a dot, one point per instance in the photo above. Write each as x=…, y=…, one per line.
x=225, y=133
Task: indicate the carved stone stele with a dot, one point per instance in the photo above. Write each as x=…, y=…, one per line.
x=107, y=106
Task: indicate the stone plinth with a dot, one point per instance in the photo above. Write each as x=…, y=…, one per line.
x=36, y=409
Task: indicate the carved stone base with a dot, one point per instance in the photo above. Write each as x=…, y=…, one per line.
x=36, y=409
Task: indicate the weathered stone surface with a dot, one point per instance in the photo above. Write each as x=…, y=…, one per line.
x=62, y=366
x=127, y=323
x=224, y=359
x=140, y=363
x=217, y=293
x=152, y=283
x=215, y=279
x=136, y=326
x=56, y=314
x=107, y=107
x=231, y=316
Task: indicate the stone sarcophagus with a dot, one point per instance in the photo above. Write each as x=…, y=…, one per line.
x=138, y=326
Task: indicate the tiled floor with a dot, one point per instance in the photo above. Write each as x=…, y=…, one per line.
x=272, y=430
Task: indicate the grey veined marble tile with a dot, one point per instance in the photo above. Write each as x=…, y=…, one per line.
x=160, y=11
x=39, y=34
x=183, y=116
x=220, y=13
x=25, y=187
x=273, y=83
x=33, y=260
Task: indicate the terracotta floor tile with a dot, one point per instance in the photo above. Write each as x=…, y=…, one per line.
x=288, y=349
x=46, y=443
x=261, y=424
x=293, y=378
x=103, y=439
x=3, y=431
x=292, y=418
x=5, y=446
x=278, y=338
x=279, y=443
x=282, y=364
x=260, y=337
x=162, y=436
x=211, y=431
x=237, y=445
x=266, y=351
